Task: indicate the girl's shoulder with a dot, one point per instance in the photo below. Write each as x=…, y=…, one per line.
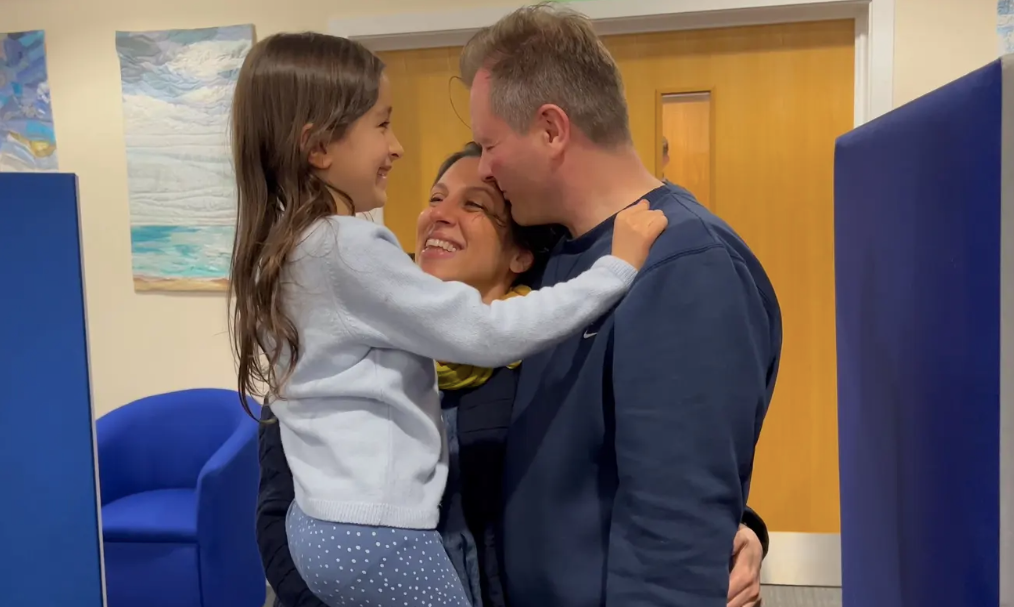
x=341, y=234
x=348, y=245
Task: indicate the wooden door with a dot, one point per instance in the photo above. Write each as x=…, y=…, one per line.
x=777, y=97
x=431, y=120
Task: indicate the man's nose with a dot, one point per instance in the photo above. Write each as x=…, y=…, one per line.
x=485, y=170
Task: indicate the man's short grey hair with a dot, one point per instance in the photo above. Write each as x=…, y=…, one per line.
x=548, y=54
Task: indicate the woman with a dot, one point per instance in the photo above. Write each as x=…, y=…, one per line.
x=466, y=234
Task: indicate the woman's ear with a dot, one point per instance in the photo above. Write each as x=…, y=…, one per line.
x=317, y=155
x=522, y=261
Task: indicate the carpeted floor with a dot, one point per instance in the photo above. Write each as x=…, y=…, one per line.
x=774, y=596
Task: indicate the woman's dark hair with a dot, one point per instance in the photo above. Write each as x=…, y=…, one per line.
x=539, y=240
x=288, y=83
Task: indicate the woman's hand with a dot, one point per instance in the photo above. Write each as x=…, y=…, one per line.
x=636, y=228
x=744, y=581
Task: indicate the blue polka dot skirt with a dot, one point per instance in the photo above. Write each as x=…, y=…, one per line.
x=363, y=566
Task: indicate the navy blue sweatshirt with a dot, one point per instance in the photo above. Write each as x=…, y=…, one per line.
x=631, y=445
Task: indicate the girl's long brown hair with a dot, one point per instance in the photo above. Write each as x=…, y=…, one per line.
x=295, y=93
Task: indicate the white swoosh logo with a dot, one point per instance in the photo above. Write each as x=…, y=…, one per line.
x=587, y=334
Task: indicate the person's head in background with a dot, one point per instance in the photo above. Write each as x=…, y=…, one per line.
x=665, y=154
x=467, y=234
x=548, y=109
x=310, y=139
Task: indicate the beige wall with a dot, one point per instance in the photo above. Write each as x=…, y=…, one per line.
x=147, y=343
x=936, y=41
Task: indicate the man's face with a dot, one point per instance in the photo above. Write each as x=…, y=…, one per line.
x=517, y=162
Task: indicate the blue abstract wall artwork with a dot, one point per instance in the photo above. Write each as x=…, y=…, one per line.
x=177, y=94
x=27, y=142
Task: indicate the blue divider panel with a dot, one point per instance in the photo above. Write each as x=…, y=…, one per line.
x=917, y=261
x=49, y=538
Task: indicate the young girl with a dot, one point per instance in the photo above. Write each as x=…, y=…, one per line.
x=341, y=329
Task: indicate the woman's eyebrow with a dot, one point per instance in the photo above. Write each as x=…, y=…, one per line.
x=486, y=189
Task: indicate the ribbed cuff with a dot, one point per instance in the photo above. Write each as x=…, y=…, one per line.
x=623, y=270
x=756, y=524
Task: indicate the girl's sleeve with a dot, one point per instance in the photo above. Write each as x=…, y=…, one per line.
x=383, y=294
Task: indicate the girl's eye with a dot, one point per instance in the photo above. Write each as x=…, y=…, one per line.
x=435, y=200
x=385, y=124
x=475, y=205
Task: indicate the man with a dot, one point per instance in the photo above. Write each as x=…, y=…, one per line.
x=631, y=446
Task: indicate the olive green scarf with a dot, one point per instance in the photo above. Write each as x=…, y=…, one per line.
x=453, y=376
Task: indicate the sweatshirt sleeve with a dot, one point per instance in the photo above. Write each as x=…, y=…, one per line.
x=691, y=350
x=274, y=497
x=385, y=296
x=755, y=523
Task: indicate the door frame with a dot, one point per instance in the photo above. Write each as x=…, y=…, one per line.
x=795, y=559
x=660, y=95
x=874, y=30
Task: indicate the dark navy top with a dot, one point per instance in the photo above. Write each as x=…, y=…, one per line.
x=631, y=446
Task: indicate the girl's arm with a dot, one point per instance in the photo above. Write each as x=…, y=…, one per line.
x=382, y=294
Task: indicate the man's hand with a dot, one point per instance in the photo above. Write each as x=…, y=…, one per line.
x=744, y=582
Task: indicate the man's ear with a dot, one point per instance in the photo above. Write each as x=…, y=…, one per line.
x=522, y=261
x=316, y=155
x=553, y=125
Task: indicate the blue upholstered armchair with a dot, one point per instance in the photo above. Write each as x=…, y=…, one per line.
x=179, y=476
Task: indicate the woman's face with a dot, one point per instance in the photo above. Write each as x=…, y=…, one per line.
x=464, y=234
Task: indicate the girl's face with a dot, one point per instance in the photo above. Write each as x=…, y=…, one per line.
x=358, y=163
x=463, y=235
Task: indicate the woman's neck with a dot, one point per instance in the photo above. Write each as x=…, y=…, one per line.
x=495, y=292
